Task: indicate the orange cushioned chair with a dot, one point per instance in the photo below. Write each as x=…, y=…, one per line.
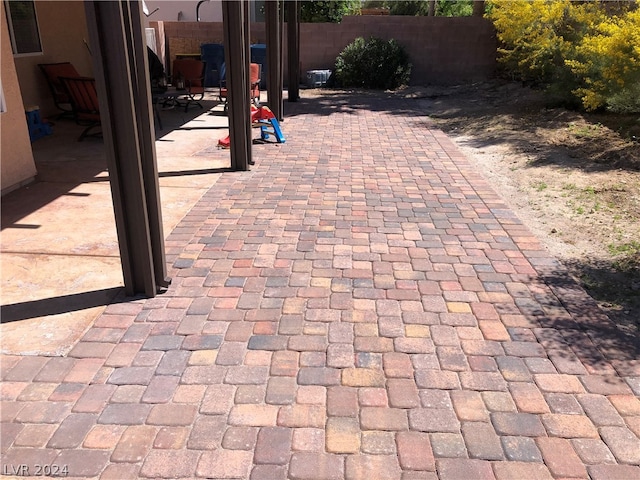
x=52, y=72
x=84, y=100
x=191, y=72
x=255, y=70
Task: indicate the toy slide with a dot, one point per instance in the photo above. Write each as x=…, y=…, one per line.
x=263, y=118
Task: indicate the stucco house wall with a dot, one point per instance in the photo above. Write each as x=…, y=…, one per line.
x=183, y=10
x=17, y=167
x=63, y=33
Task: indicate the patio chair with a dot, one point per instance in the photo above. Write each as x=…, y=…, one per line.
x=156, y=73
x=189, y=74
x=52, y=72
x=254, y=92
x=84, y=100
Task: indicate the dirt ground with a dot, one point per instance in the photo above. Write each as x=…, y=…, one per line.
x=572, y=178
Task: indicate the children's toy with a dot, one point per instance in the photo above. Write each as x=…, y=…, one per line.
x=38, y=127
x=265, y=120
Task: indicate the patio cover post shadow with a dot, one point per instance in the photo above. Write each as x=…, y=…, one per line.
x=120, y=66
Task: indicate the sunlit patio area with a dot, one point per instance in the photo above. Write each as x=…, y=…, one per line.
x=361, y=304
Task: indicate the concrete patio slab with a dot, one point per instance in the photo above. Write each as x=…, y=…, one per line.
x=60, y=256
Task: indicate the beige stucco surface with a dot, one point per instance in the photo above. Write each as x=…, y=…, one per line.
x=63, y=32
x=16, y=159
x=170, y=10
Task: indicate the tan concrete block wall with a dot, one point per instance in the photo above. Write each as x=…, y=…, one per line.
x=442, y=50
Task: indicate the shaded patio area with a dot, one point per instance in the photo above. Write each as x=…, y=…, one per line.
x=359, y=305
x=60, y=254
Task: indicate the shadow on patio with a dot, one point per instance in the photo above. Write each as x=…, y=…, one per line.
x=61, y=263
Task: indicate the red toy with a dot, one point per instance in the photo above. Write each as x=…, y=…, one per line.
x=263, y=118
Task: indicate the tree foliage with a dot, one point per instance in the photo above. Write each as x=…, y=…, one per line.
x=411, y=8
x=442, y=8
x=586, y=53
x=454, y=8
x=327, y=11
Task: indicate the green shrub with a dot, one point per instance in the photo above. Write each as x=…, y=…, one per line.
x=373, y=63
x=625, y=101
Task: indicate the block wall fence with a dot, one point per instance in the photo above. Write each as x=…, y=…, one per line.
x=443, y=50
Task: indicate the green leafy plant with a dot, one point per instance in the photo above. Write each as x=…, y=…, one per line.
x=540, y=186
x=373, y=63
x=328, y=11
x=630, y=248
x=585, y=131
x=441, y=8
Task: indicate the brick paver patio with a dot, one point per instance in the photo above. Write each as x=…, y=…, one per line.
x=361, y=305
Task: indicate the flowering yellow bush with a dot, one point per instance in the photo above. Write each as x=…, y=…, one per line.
x=580, y=50
x=608, y=59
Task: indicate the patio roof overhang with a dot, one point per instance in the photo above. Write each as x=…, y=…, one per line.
x=120, y=64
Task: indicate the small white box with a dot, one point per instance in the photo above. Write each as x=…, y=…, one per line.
x=318, y=78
